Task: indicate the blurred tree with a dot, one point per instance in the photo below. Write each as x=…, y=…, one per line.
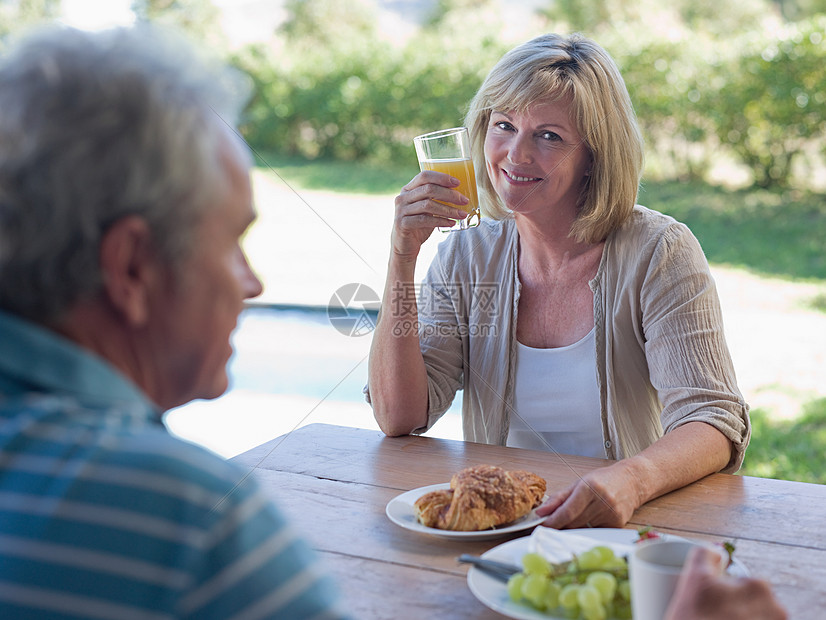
x=328, y=23
x=200, y=19
x=705, y=79
x=580, y=15
x=797, y=10
x=773, y=104
x=341, y=91
x=313, y=96
x=18, y=14
x=443, y=8
x=669, y=88
x=593, y=16
x=721, y=19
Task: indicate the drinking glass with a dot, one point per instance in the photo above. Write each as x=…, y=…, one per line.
x=448, y=150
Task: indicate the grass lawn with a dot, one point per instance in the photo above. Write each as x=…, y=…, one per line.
x=767, y=232
x=339, y=176
x=778, y=234
x=773, y=233
x=789, y=449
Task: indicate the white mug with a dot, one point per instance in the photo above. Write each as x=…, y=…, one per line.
x=654, y=568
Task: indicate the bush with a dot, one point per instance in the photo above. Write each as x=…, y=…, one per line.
x=773, y=103
x=364, y=100
x=341, y=92
x=670, y=94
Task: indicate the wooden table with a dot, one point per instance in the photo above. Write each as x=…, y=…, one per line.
x=335, y=482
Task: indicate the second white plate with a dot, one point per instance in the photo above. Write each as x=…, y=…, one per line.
x=493, y=593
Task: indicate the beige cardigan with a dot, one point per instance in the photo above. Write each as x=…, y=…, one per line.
x=662, y=358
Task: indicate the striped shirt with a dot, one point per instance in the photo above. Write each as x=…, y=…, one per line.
x=103, y=514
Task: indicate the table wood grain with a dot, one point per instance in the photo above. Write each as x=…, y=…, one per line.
x=334, y=482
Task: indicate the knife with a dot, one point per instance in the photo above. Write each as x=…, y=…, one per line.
x=500, y=570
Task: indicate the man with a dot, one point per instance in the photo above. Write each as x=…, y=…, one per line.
x=123, y=196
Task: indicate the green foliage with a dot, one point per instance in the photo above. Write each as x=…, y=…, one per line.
x=796, y=10
x=773, y=103
x=315, y=24
x=346, y=94
x=16, y=15
x=818, y=302
x=769, y=232
x=670, y=91
x=199, y=19
x=584, y=15
x=335, y=89
x=789, y=449
x=337, y=175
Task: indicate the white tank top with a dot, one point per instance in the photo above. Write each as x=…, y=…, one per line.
x=556, y=400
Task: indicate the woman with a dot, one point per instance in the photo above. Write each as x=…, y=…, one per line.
x=573, y=320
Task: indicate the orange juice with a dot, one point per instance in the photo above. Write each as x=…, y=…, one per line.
x=462, y=169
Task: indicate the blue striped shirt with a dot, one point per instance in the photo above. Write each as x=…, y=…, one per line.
x=103, y=514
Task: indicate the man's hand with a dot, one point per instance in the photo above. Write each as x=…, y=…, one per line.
x=704, y=592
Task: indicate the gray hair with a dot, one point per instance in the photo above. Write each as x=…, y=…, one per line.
x=95, y=127
x=553, y=67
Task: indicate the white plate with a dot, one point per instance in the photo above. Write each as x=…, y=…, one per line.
x=493, y=593
x=401, y=511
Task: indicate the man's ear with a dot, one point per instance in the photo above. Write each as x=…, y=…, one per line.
x=130, y=267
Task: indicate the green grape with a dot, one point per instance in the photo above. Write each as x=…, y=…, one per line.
x=593, y=586
x=568, y=596
x=552, y=595
x=624, y=590
x=515, y=587
x=595, y=613
x=605, y=583
x=622, y=611
x=589, y=559
x=606, y=554
x=533, y=563
x=534, y=589
x=565, y=579
x=588, y=597
x=615, y=564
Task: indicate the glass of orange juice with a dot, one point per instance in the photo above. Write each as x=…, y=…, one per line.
x=448, y=150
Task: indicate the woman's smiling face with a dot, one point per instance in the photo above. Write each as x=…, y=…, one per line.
x=536, y=159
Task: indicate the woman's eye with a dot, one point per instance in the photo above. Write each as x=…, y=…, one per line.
x=551, y=136
x=502, y=125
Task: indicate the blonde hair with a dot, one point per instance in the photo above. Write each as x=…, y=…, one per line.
x=549, y=68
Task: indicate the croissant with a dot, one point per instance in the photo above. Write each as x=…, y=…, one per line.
x=480, y=498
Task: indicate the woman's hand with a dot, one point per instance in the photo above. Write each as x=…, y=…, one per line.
x=705, y=593
x=608, y=496
x=418, y=212
x=398, y=377
x=605, y=497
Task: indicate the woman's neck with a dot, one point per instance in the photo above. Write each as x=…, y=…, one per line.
x=547, y=244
